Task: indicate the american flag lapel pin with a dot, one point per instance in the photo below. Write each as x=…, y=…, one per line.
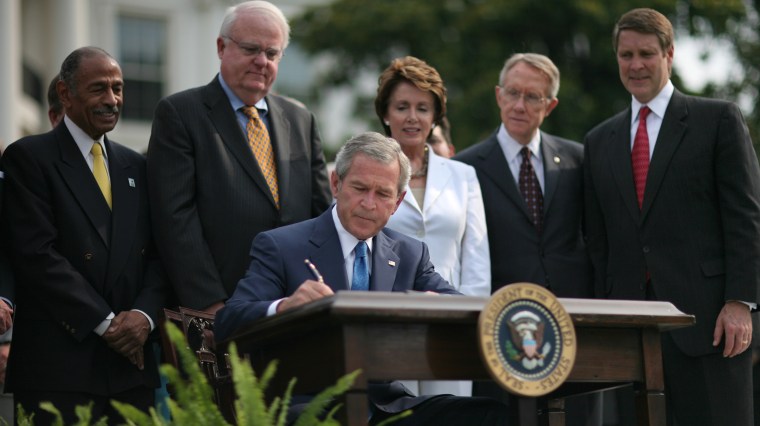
x=391, y=263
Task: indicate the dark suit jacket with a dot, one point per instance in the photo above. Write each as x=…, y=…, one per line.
x=277, y=270
x=556, y=259
x=696, y=234
x=7, y=283
x=75, y=261
x=208, y=196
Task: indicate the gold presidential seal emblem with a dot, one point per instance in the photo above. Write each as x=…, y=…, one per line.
x=527, y=339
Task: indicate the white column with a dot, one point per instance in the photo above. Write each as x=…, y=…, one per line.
x=71, y=27
x=10, y=70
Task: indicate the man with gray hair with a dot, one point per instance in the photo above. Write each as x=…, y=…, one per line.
x=353, y=251
x=532, y=184
x=229, y=160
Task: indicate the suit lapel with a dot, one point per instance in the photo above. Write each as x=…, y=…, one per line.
x=80, y=181
x=124, y=181
x=224, y=120
x=439, y=176
x=552, y=171
x=670, y=136
x=495, y=166
x=619, y=153
x=385, y=263
x=280, y=137
x=326, y=253
x=411, y=201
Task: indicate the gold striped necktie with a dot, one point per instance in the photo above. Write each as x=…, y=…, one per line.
x=100, y=172
x=258, y=140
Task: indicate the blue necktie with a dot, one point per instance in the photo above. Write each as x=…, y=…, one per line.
x=361, y=272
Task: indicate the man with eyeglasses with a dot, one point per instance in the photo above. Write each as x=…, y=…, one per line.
x=533, y=195
x=229, y=160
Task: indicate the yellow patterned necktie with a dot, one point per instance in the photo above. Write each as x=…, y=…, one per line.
x=258, y=140
x=100, y=172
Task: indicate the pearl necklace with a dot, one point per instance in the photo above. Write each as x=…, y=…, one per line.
x=422, y=172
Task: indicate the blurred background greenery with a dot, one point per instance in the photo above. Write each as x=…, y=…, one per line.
x=468, y=41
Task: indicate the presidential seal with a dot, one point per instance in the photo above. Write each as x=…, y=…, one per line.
x=527, y=339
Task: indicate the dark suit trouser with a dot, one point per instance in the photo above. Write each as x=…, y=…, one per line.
x=581, y=410
x=707, y=390
x=447, y=410
x=141, y=397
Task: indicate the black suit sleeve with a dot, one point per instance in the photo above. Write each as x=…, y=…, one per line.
x=594, y=227
x=738, y=191
x=320, y=182
x=30, y=223
x=175, y=212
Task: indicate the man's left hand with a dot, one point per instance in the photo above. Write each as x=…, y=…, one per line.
x=127, y=334
x=734, y=323
x=6, y=317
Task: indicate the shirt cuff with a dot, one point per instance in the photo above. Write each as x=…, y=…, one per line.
x=752, y=306
x=103, y=326
x=150, y=321
x=273, y=307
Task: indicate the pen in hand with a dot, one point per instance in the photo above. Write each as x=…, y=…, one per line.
x=313, y=270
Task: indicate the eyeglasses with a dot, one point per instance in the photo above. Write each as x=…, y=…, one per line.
x=513, y=95
x=253, y=50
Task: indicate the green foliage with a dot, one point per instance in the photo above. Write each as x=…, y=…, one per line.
x=468, y=41
x=83, y=413
x=193, y=400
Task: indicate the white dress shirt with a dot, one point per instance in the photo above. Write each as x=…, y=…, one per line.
x=512, y=152
x=658, y=105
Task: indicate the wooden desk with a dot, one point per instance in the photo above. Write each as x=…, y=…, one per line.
x=428, y=337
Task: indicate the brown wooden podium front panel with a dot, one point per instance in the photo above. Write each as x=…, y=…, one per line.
x=393, y=336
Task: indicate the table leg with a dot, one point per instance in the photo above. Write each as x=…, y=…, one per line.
x=527, y=411
x=650, y=401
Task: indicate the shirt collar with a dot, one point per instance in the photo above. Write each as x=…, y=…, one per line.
x=347, y=241
x=237, y=103
x=83, y=140
x=658, y=105
x=512, y=148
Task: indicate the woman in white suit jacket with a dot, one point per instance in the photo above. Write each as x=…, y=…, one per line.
x=452, y=223
x=443, y=205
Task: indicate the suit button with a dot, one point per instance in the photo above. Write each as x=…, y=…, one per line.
x=142, y=252
x=88, y=256
x=646, y=249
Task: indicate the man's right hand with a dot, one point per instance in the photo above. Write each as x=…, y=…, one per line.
x=307, y=292
x=127, y=335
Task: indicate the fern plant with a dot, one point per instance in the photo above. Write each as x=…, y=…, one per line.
x=193, y=402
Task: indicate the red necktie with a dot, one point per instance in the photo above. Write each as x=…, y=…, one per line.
x=531, y=190
x=640, y=155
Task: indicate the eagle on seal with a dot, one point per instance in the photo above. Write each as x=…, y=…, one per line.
x=527, y=331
